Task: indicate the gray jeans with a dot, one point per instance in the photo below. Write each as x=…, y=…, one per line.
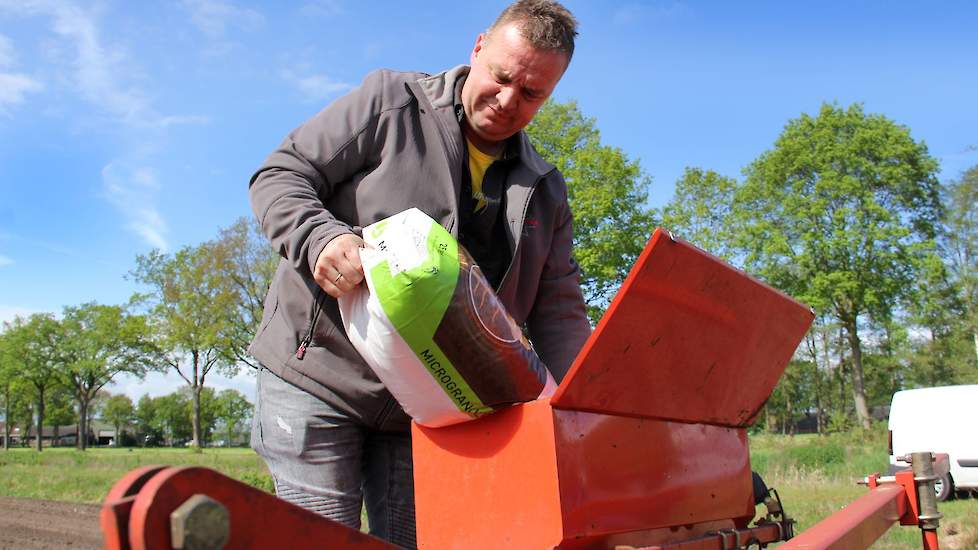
x=325, y=462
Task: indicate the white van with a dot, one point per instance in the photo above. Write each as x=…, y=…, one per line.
x=939, y=420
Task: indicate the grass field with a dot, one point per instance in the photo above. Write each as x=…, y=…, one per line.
x=815, y=477
x=67, y=474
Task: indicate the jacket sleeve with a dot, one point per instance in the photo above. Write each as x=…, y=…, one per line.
x=289, y=192
x=558, y=323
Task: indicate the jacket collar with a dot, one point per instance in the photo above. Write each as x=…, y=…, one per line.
x=444, y=92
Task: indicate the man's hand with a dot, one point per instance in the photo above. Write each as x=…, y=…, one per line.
x=338, y=268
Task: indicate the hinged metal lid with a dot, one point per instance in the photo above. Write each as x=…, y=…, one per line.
x=687, y=338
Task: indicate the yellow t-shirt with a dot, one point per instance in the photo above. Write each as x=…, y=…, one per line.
x=479, y=162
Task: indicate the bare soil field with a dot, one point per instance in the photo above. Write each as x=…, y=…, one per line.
x=27, y=524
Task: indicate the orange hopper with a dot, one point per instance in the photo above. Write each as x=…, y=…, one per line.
x=645, y=440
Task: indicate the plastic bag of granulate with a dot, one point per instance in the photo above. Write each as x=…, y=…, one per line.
x=433, y=330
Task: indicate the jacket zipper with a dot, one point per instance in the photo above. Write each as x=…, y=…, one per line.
x=519, y=234
x=454, y=148
x=313, y=317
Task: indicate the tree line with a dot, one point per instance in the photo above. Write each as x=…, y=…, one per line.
x=167, y=420
x=152, y=421
x=200, y=306
x=844, y=212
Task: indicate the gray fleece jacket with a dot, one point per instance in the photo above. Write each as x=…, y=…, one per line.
x=394, y=143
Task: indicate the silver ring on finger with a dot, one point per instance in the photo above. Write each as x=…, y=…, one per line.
x=338, y=277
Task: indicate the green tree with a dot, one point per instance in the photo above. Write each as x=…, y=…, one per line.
x=59, y=411
x=16, y=406
x=818, y=354
x=943, y=356
x=172, y=417
x=104, y=342
x=147, y=429
x=33, y=344
x=208, y=412
x=6, y=390
x=232, y=409
x=887, y=357
x=24, y=414
x=95, y=409
x=960, y=244
x=699, y=211
x=247, y=263
x=14, y=395
x=607, y=192
x=119, y=412
x=192, y=308
x=793, y=396
x=840, y=213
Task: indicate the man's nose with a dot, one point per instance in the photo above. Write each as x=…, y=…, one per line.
x=507, y=98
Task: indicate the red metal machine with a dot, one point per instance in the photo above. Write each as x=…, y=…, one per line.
x=645, y=439
x=643, y=445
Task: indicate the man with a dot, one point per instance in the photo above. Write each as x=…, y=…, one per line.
x=452, y=145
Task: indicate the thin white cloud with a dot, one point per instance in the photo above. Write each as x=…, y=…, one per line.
x=213, y=17
x=98, y=69
x=179, y=120
x=133, y=191
x=6, y=52
x=56, y=248
x=322, y=8
x=149, y=225
x=5, y=261
x=97, y=66
x=13, y=88
x=321, y=86
x=316, y=87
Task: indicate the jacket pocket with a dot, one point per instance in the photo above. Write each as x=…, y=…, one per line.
x=314, y=315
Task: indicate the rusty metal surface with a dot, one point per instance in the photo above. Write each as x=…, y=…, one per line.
x=857, y=525
x=924, y=478
x=687, y=338
x=722, y=540
x=257, y=519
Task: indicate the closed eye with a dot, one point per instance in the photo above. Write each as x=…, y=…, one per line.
x=499, y=76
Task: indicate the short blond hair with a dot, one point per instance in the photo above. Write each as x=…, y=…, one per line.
x=545, y=24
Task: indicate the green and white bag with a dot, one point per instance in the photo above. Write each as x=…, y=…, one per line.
x=432, y=328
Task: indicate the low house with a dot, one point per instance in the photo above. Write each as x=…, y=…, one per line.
x=60, y=436
x=15, y=435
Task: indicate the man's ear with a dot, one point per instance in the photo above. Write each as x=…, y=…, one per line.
x=480, y=43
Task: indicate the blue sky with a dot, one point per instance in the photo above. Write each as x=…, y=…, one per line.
x=128, y=126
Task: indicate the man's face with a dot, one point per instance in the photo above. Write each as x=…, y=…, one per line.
x=508, y=82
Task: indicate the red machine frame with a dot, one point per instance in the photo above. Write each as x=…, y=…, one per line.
x=643, y=445
x=142, y=511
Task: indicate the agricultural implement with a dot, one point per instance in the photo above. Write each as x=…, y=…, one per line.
x=643, y=446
